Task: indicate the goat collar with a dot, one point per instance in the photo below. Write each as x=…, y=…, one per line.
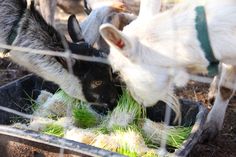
x=203, y=37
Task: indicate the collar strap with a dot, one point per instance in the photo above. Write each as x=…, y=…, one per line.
x=203, y=37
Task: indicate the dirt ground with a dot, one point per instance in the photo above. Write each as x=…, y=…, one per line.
x=223, y=146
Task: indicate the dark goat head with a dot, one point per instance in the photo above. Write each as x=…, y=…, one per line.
x=90, y=81
x=96, y=78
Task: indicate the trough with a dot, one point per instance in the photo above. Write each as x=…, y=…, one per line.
x=22, y=143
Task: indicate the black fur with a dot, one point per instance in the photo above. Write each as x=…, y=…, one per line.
x=95, y=77
x=74, y=29
x=34, y=32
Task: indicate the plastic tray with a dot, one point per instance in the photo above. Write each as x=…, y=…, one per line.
x=20, y=143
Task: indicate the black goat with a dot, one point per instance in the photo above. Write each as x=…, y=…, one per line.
x=25, y=27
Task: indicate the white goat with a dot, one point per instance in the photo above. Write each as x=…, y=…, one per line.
x=159, y=50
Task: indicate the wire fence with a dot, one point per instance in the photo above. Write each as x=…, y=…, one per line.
x=68, y=56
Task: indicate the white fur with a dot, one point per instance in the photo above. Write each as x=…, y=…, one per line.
x=158, y=49
x=226, y=79
x=132, y=5
x=169, y=41
x=39, y=65
x=149, y=8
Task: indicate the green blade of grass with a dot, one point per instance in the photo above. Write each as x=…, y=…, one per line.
x=54, y=129
x=84, y=116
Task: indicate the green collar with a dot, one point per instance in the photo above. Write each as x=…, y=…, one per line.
x=203, y=37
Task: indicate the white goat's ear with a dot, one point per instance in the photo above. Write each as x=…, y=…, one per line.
x=114, y=37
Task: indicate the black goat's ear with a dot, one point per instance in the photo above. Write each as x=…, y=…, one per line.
x=74, y=29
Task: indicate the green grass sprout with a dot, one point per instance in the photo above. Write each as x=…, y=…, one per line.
x=123, y=137
x=125, y=130
x=126, y=112
x=125, y=151
x=54, y=129
x=175, y=134
x=57, y=105
x=84, y=116
x=178, y=135
x=151, y=153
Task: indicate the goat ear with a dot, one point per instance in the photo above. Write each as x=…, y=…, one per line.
x=74, y=29
x=114, y=37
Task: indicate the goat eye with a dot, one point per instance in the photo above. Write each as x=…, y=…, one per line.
x=95, y=84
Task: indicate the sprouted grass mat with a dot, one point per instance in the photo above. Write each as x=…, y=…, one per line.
x=125, y=130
